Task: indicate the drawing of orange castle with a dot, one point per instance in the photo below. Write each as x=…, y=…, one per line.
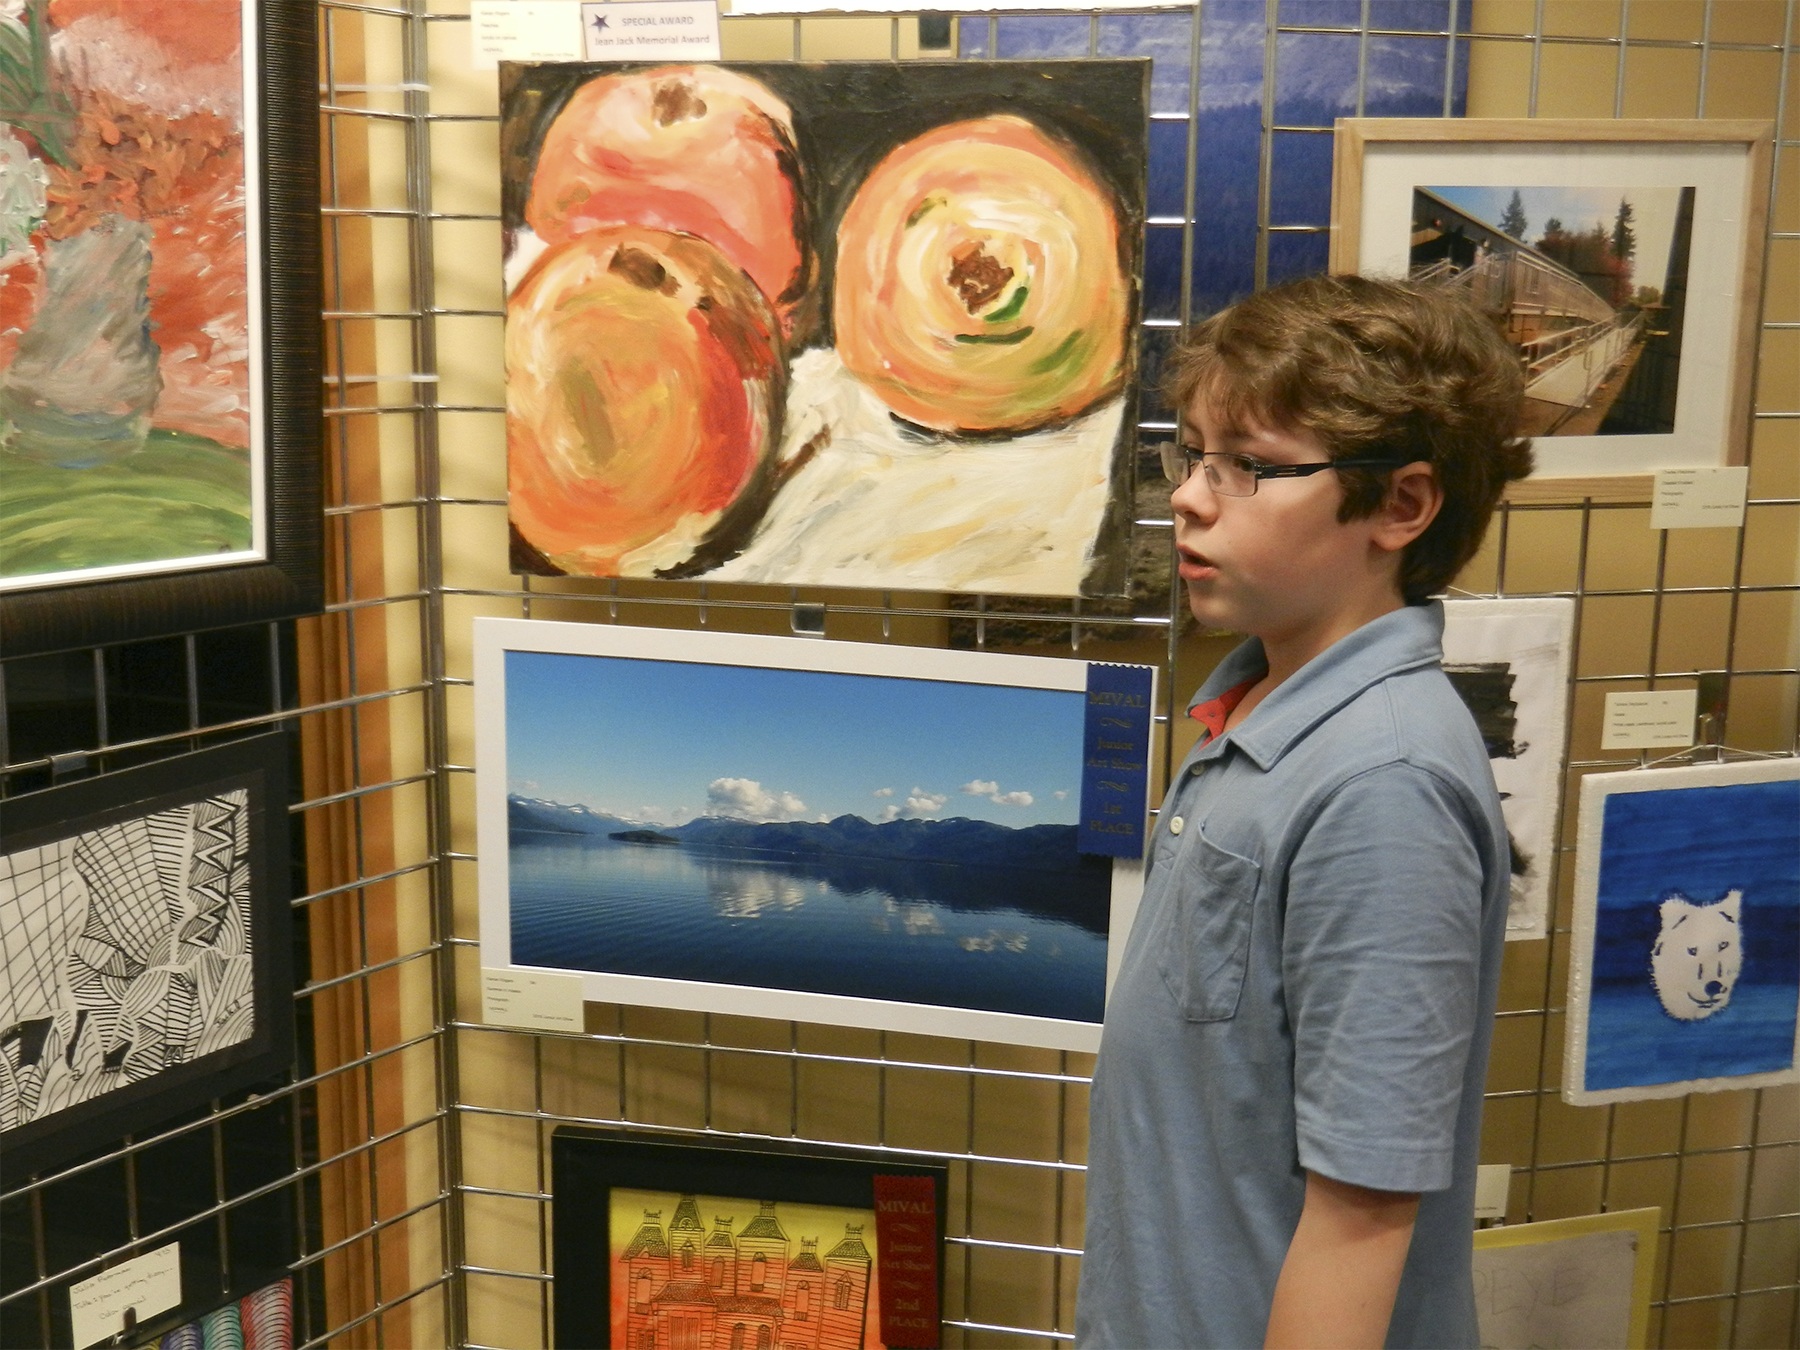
x=690, y=1290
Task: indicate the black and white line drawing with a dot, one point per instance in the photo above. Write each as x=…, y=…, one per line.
x=125, y=951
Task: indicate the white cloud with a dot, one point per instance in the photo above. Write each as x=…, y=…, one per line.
x=889, y=812
x=922, y=803
x=987, y=787
x=747, y=799
x=882, y=792
x=1060, y=794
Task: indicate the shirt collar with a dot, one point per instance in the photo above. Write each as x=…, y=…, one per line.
x=1405, y=639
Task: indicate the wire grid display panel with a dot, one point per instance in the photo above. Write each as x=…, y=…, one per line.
x=335, y=1169
x=1653, y=610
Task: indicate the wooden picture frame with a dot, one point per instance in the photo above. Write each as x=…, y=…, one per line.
x=145, y=935
x=280, y=574
x=887, y=837
x=1651, y=376
x=721, y=1236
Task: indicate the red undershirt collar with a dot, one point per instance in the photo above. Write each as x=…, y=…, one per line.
x=1212, y=713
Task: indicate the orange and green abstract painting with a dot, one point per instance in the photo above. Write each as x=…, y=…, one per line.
x=728, y=1273
x=127, y=314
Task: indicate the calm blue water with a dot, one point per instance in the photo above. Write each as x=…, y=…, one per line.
x=1003, y=941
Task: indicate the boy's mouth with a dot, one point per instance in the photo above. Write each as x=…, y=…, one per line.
x=1196, y=566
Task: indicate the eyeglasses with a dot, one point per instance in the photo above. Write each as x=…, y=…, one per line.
x=1232, y=475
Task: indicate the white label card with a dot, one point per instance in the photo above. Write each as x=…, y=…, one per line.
x=147, y=1285
x=537, y=1000
x=1687, y=499
x=524, y=30
x=656, y=30
x=1492, y=1182
x=1662, y=717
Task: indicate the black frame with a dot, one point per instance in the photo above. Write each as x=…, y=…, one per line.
x=291, y=580
x=259, y=765
x=586, y=1164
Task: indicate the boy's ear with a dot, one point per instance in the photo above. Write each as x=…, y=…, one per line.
x=1414, y=497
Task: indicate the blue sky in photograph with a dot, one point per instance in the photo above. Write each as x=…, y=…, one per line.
x=1580, y=208
x=664, y=741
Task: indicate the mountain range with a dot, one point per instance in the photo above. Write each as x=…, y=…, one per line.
x=1037, y=848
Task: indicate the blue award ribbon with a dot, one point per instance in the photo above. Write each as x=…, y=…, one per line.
x=1115, y=760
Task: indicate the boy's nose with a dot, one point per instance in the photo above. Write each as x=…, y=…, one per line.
x=1195, y=496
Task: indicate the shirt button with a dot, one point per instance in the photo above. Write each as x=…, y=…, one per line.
x=1194, y=770
x=1175, y=825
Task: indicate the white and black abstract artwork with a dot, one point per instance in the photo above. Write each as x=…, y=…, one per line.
x=126, y=950
x=1509, y=659
x=145, y=930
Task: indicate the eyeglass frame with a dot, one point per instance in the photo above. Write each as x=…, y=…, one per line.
x=1174, y=453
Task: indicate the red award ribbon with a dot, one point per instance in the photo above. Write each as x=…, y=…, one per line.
x=906, y=1257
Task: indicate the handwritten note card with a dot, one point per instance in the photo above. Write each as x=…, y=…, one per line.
x=145, y=1286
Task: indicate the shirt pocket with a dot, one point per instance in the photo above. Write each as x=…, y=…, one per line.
x=1214, y=895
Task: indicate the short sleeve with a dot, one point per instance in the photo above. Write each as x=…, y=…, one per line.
x=1381, y=954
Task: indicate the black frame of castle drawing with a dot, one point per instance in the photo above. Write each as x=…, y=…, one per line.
x=283, y=194
x=586, y=1164
x=259, y=766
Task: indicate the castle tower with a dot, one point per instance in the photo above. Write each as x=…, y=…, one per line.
x=721, y=1258
x=802, y=1302
x=687, y=1237
x=762, y=1254
x=644, y=1266
x=846, y=1302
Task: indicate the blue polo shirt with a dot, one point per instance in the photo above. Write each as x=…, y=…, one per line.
x=1309, y=986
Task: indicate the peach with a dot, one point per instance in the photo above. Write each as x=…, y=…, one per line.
x=691, y=149
x=980, y=284
x=644, y=388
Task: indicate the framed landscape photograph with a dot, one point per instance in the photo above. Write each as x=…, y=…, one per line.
x=1622, y=259
x=663, y=1241
x=159, y=350
x=144, y=959
x=899, y=838
x=867, y=324
x=1685, y=970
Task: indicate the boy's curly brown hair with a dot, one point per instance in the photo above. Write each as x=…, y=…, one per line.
x=1372, y=367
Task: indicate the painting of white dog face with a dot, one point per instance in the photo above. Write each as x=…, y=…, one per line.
x=1697, y=956
x=1684, y=970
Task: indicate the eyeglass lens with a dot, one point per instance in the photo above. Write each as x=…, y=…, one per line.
x=1226, y=475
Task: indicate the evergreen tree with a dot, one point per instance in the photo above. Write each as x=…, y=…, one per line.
x=1624, y=237
x=1512, y=220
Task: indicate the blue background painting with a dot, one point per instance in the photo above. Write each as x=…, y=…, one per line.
x=1699, y=842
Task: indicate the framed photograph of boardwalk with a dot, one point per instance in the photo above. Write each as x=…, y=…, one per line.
x=1622, y=259
x=661, y=1240
x=888, y=837
x=159, y=318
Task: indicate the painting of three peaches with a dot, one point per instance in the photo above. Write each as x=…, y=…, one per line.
x=845, y=324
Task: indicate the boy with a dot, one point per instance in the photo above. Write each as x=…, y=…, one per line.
x=1287, y=1100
